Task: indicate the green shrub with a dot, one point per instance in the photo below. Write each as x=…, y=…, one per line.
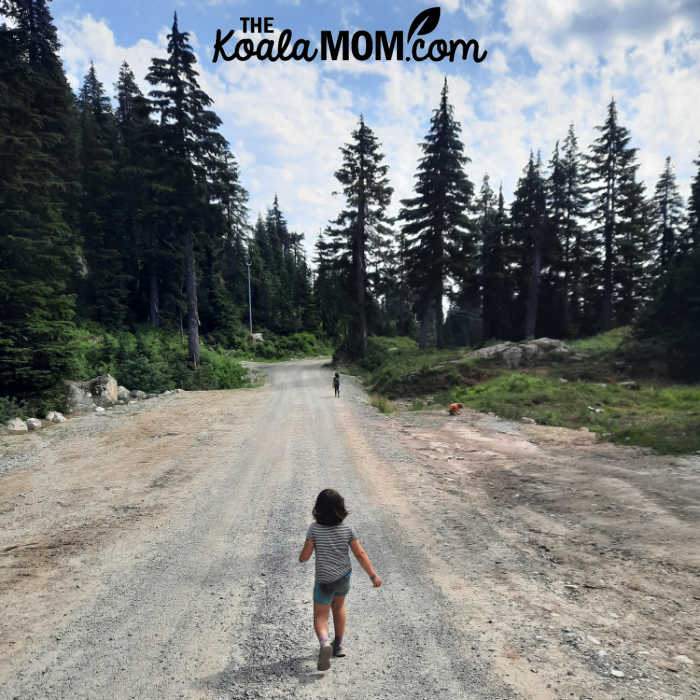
x=11, y=408
x=382, y=404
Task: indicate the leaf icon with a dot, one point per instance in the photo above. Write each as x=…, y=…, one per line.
x=429, y=18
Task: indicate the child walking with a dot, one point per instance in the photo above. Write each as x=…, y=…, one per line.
x=331, y=539
x=336, y=384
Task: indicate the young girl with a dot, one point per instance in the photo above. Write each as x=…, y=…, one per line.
x=330, y=538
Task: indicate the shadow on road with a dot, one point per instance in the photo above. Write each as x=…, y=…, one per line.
x=232, y=678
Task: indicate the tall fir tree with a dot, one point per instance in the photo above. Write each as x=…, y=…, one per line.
x=530, y=233
x=363, y=177
x=195, y=150
x=667, y=220
x=39, y=193
x=691, y=234
x=496, y=293
x=579, y=254
x=440, y=237
x=105, y=250
x=617, y=210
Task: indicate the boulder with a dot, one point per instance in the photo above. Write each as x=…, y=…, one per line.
x=79, y=398
x=529, y=352
x=99, y=409
x=55, y=417
x=104, y=390
x=138, y=395
x=33, y=423
x=123, y=394
x=16, y=426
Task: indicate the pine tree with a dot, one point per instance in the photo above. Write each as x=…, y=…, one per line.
x=578, y=246
x=493, y=225
x=367, y=195
x=618, y=215
x=530, y=231
x=104, y=247
x=194, y=148
x=38, y=197
x=666, y=220
x=141, y=205
x=440, y=238
x=691, y=236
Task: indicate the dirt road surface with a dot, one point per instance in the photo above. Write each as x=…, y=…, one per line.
x=151, y=552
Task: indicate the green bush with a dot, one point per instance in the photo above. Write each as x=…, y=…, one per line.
x=153, y=361
x=11, y=408
x=381, y=403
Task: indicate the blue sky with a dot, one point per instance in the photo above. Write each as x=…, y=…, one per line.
x=549, y=63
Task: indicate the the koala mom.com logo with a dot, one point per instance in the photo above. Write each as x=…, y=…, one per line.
x=343, y=45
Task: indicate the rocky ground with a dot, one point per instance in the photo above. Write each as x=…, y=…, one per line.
x=151, y=551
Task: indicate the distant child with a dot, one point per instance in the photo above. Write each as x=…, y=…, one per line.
x=336, y=384
x=331, y=539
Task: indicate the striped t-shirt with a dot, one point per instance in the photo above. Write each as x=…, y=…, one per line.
x=331, y=546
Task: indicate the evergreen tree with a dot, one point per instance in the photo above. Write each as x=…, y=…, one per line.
x=493, y=225
x=439, y=234
x=367, y=194
x=691, y=236
x=667, y=220
x=104, y=247
x=669, y=327
x=619, y=220
x=38, y=196
x=141, y=203
x=579, y=256
x=195, y=151
x=530, y=232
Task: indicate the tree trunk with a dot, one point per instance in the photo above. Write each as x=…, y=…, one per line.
x=533, y=294
x=153, y=301
x=438, y=318
x=191, y=289
x=424, y=325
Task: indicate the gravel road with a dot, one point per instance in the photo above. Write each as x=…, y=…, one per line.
x=152, y=553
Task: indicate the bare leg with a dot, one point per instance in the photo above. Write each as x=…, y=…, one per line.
x=339, y=615
x=321, y=613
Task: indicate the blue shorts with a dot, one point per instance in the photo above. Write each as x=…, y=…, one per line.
x=325, y=595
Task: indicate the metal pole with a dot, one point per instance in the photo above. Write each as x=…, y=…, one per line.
x=250, y=306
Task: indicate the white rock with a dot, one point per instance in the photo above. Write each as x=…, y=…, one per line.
x=525, y=419
x=684, y=659
x=16, y=426
x=99, y=409
x=55, y=417
x=33, y=423
x=593, y=640
x=616, y=673
x=123, y=393
x=79, y=398
x=138, y=395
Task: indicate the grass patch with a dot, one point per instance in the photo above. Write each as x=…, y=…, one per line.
x=382, y=404
x=416, y=405
x=603, y=343
x=664, y=418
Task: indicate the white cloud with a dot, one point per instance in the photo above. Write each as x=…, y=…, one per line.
x=286, y=121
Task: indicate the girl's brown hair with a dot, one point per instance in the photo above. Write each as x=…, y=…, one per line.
x=329, y=508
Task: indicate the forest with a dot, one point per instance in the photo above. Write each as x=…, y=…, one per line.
x=123, y=215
